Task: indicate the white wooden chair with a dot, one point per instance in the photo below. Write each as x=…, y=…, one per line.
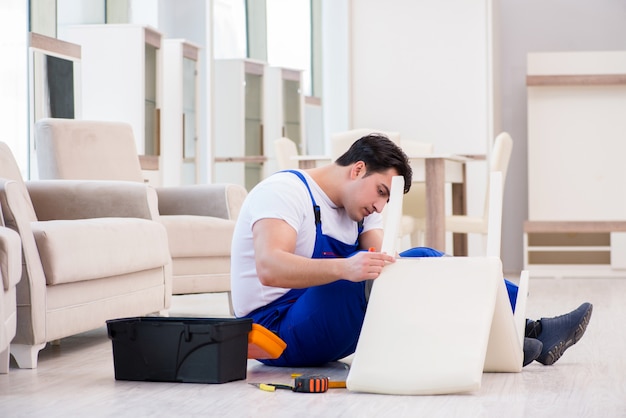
x=434, y=325
x=498, y=161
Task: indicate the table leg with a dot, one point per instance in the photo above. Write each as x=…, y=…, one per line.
x=459, y=207
x=435, y=204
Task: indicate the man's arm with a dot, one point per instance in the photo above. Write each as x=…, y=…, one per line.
x=371, y=239
x=278, y=266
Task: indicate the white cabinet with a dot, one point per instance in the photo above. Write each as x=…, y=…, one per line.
x=239, y=121
x=284, y=106
x=179, y=110
x=576, y=171
x=121, y=70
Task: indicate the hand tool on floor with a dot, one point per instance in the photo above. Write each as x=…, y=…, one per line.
x=303, y=384
x=332, y=384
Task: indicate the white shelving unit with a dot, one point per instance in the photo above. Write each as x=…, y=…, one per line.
x=576, y=143
x=179, y=111
x=239, y=121
x=284, y=105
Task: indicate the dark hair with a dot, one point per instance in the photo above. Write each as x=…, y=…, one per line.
x=379, y=154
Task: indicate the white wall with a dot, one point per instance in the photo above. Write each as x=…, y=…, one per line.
x=425, y=69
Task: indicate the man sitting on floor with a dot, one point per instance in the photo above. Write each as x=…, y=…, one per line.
x=300, y=265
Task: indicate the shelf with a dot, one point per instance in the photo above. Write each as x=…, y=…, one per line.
x=576, y=80
x=568, y=248
x=575, y=226
x=550, y=246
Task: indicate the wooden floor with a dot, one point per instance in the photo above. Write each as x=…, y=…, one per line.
x=76, y=377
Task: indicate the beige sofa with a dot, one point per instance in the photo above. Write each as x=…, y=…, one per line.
x=11, y=273
x=91, y=253
x=199, y=219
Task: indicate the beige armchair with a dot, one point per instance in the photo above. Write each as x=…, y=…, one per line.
x=199, y=219
x=91, y=252
x=11, y=273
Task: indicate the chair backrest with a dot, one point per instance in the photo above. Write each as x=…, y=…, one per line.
x=286, y=149
x=341, y=141
x=498, y=161
x=494, y=223
x=86, y=150
x=501, y=154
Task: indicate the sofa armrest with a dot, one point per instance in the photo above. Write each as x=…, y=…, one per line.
x=10, y=258
x=31, y=290
x=83, y=199
x=217, y=200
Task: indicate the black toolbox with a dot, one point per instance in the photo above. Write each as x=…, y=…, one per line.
x=167, y=349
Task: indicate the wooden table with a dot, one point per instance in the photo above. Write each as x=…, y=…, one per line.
x=436, y=170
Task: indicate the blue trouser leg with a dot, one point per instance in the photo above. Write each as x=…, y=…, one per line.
x=319, y=324
x=430, y=252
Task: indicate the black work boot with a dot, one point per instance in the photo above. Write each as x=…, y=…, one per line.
x=560, y=333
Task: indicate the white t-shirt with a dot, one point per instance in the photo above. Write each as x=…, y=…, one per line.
x=284, y=196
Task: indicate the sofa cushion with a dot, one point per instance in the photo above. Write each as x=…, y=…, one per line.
x=77, y=250
x=198, y=236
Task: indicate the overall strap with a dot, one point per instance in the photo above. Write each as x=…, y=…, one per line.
x=316, y=208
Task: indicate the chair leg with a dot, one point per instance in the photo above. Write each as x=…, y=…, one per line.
x=4, y=361
x=26, y=355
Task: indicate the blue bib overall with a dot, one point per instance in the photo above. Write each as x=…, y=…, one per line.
x=320, y=323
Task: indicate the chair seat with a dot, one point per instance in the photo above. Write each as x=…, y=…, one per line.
x=427, y=327
x=198, y=236
x=86, y=249
x=466, y=224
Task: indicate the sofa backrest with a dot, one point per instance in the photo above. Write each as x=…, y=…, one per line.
x=70, y=149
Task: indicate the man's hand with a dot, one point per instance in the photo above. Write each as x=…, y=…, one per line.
x=365, y=265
